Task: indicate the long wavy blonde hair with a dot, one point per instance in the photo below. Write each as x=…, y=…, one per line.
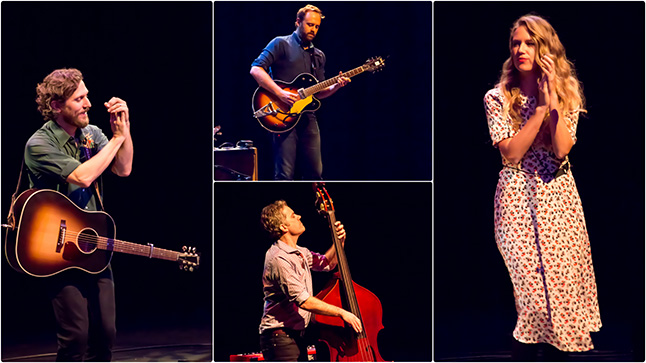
x=568, y=87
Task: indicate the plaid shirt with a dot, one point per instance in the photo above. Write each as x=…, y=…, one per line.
x=287, y=283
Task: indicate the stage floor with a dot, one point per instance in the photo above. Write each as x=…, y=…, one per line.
x=615, y=342
x=133, y=345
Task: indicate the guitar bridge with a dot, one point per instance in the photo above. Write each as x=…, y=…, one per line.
x=61, y=236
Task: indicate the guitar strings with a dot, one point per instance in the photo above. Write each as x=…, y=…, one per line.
x=322, y=85
x=362, y=342
x=122, y=246
x=365, y=350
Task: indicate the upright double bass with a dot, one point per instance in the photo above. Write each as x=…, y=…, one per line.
x=344, y=343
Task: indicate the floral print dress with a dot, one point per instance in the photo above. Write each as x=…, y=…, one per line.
x=541, y=233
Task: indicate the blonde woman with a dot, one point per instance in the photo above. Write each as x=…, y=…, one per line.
x=540, y=229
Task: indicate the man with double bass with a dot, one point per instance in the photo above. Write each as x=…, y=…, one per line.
x=287, y=286
x=283, y=59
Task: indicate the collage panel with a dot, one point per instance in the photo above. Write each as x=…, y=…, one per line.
x=365, y=110
x=540, y=258
x=334, y=92
x=105, y=285
x=386, y=238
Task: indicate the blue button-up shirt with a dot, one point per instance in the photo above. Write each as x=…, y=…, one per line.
x=284, y=58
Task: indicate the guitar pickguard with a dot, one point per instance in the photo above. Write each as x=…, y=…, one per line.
x=299, y=106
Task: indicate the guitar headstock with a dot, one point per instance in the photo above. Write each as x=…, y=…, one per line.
x=189, y=260
x=374, y=64
x=323, y=202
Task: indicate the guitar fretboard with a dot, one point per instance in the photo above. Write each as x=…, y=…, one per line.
x=136, y=249
x=328, y=82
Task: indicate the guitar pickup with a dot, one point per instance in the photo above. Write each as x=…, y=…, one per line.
x=61, y=236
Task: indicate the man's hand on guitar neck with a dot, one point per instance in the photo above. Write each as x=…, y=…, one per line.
x=341, y=82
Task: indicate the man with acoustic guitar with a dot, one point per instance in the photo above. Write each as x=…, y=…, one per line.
x=68, y=155
x=287, y=286
x=284, y=58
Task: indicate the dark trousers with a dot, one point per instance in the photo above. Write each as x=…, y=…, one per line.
x=84, y=308
x=283, y=346
x=301, y=145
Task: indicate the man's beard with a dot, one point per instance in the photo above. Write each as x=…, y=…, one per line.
x=76, y=120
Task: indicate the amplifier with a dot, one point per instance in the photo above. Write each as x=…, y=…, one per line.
x=236, y=163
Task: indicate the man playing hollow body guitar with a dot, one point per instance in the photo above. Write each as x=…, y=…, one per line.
x=69, y=155
x=283, y=59
x=287, y=286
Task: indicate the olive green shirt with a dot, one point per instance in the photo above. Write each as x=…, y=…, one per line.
x=51, y=155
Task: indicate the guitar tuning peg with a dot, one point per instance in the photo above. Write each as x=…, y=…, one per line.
x=190, y=269
x=194, y=250
x=184, y=248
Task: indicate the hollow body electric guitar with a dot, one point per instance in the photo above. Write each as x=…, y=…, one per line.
x=52, y=235
x=276, y=116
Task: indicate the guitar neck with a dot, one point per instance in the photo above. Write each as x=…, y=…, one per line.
x=136, y=249
x=328, y=82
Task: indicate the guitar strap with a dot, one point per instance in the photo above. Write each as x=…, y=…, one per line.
x=98, y=194
x=310, y=51
x=86, y=154
x=314, y=62
x=11, y=218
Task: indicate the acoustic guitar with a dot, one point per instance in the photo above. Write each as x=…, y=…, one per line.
x=52, y=235
x=276, y=116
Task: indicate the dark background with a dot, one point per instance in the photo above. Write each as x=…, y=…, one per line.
x=388, y=250
x=474, y=307
x=157, y=57
x=376, y=128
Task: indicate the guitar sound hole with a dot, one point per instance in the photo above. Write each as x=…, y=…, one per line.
x=87, y=241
